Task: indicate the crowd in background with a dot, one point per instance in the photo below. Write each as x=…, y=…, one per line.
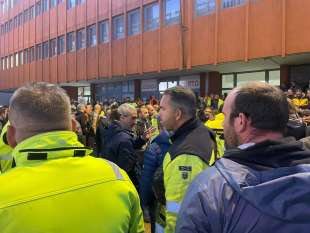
x=134, y=136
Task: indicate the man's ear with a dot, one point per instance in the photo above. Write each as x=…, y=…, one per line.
x=241, y=123
x=11, y=136
x=178, y=114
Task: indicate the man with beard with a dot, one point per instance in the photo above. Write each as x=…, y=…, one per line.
x=262, y=184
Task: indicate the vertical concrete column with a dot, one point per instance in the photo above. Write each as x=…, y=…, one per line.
x=214, y=83
x=137, y=85
x=203, y=79
x=284, y=76
x=92, y=92
x=72, y=92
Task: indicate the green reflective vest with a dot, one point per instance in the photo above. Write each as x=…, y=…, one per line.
x=6, y=158
x=57, y=187
x=190, y=154
x=217, y=126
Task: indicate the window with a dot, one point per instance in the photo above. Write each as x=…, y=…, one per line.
x=45, y=49
x=31, y=12
x=232, y=3
x=91, y=36
x=16, y=21
x=70, y=4
x=20, y=19
x=71, y=42
x=38, y=8
x=32, y=54
x=8, y=62
x=243, y=78
x=53, y=3
x=53, y=47
x=227, y=81
x=151, y=17
x=45, y=5
x=104, y=32
x=26, y=15
x=80, y=2
x=118, y=27
x=133, y=22
x=39, y=51
x=3, y=63
x=61, y=45
x=11, y=24
x=16, y=59
x=204, y=7
x=171, y=11
x=26, y=57
x=80, y=39
x=12, y=61
x=21, y=55
x=274, y=77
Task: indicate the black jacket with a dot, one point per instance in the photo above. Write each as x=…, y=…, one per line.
x=82, y=119
x=119, y=147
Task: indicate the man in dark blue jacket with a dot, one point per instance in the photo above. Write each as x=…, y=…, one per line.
x=120, y=143
x=263, y=182
x=153, y=159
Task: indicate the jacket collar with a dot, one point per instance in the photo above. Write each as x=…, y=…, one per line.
x=270, y=154
x=185, y=128
x=47, y=146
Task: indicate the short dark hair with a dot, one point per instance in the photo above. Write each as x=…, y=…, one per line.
x=184, y=99
x=265, y=105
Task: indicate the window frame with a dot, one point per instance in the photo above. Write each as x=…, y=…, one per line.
x=207, y=10
x=80, y=41
x=70, y=48
x=172, y=20
x=45, y=50
x=106, y=26
x=118, y=34
x=131, y=32
x=53, y=47
x=89, y=40
x=39, y=52
x=71, y=4
x=225, y=4
x=61, y=48
x=151, y=26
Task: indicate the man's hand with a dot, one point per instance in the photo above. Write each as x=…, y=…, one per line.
x=148, y=133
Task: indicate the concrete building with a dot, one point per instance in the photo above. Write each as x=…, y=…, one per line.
x=138, y=48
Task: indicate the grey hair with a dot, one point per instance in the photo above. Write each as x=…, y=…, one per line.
x=126, y=109
x=40, y=107
x=80, y=106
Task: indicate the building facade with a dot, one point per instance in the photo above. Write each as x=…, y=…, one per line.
x=137, y=48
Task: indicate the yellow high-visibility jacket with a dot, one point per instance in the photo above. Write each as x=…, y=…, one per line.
x=300, y=103
x=6, y=159
x=56, y=187
x=193, y=146
x=217, y=126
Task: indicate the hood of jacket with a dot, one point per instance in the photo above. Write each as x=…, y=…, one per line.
x=273, y=176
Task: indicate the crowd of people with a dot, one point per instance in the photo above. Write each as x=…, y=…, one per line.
x=231, y=163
